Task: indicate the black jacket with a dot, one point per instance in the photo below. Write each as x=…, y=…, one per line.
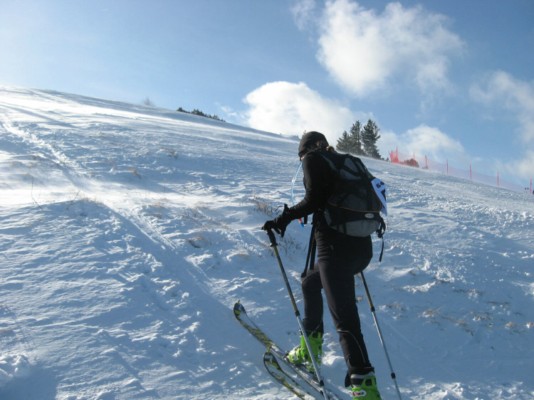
x=319, y=181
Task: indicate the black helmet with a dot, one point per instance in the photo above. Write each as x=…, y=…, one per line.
x=309, y=141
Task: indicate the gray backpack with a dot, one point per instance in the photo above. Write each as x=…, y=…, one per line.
x=355, y=206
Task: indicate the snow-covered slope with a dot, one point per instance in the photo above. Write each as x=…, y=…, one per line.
x=127, y=233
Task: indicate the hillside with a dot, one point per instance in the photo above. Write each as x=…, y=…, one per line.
x=127, y=233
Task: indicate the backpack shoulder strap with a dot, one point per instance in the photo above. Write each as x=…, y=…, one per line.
x=362, y=169
x=332, y=159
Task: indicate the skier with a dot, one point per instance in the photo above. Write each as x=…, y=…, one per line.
x=339, y=258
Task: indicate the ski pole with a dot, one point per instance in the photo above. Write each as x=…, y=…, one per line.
x=371, y=305
x=297, y=313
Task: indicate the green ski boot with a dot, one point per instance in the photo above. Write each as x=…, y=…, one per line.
x=363, y=387
x=300, y=356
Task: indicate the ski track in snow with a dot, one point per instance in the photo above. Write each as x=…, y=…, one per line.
x=127, y=233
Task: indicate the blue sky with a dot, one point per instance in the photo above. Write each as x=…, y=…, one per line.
x=453, y=80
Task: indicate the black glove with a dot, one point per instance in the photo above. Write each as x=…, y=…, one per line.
x=280, y=223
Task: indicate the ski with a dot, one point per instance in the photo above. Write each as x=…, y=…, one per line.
x=280, y=357
x=275, y=370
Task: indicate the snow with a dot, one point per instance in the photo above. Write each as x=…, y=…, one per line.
x=128, y=232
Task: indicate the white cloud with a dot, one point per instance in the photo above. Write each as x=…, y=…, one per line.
x=429, y=141
x=303, y=11
x=423, y=141
x=292, y=108
x=364, y=51
x=525, y=166
x=516, y=97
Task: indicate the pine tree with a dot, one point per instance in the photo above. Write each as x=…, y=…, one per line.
x=356, y=139
x=369, y=138
x=343, y=143
x=351, y=143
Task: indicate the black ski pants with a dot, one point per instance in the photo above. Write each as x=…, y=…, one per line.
x=339, y=259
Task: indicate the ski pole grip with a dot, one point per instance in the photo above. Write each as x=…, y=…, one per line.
x=272, y=238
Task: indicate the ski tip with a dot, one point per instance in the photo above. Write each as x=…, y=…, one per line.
x=238, y=308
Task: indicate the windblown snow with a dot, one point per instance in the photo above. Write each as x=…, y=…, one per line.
x=127, y=233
